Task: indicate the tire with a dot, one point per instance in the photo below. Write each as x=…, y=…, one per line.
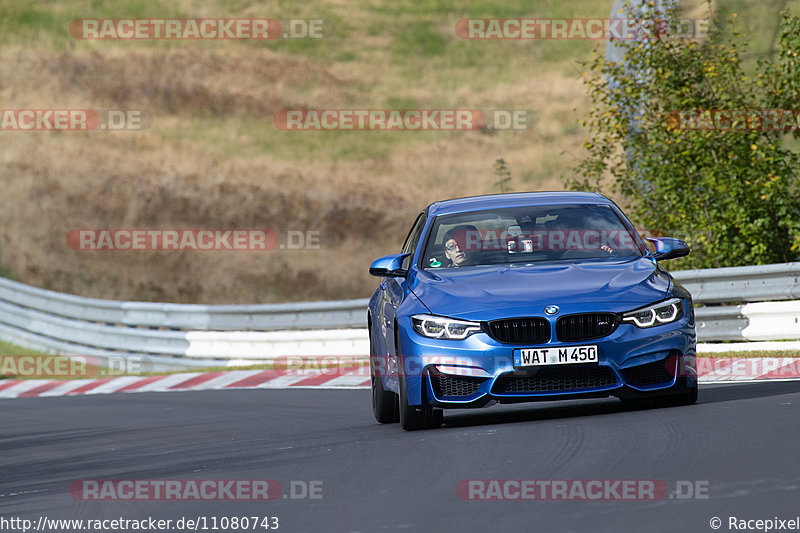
x=384, y=403
x=686, y=396
x=414, y=417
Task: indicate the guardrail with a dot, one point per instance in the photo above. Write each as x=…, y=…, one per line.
x=173, y=336
x=185, y=335
x=270, y=317
x=739, y=287
x=742, y=284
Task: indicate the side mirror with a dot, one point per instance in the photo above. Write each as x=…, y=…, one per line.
x=669, y=248
x=389, y=266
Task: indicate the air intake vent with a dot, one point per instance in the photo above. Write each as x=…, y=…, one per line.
x=655, y=373
x=447, y=385
x=556, y=379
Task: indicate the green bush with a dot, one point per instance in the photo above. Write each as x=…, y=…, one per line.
x=734, y=194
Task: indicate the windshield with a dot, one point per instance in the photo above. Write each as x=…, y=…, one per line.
x=529, y=235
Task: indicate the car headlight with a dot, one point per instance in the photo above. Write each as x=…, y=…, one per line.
x=655, y=314
x=439, y=327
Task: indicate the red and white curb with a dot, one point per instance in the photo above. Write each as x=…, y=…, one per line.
x=716, y=370
x=356, y=378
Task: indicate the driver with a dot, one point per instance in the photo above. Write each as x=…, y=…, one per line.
x=459, y=243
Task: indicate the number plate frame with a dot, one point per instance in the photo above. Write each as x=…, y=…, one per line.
x=555, y=356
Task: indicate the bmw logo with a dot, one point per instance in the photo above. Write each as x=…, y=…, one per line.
x=551, y=309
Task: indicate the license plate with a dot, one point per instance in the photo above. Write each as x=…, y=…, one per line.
x=555, y=356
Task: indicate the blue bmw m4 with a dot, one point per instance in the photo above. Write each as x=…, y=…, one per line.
x=525, y=297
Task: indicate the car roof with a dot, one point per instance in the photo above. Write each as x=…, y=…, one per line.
x=495, y=201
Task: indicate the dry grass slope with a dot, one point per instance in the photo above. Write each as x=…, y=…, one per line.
x=213, y=158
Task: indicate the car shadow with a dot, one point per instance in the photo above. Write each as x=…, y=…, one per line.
x=532, y=412
x=709, y=394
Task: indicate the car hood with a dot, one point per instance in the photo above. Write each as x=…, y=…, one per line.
x=489, y=292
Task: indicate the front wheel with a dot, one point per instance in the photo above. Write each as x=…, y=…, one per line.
x=686, y=396
x=417, y=417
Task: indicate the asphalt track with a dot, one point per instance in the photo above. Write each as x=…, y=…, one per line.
x=741, y=440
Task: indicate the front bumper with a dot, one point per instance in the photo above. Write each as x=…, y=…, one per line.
x=477, y=371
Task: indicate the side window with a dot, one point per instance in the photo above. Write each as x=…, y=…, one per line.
x=413, y=238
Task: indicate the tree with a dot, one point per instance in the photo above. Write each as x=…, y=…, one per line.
x=696, y=166
x=502, y=171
